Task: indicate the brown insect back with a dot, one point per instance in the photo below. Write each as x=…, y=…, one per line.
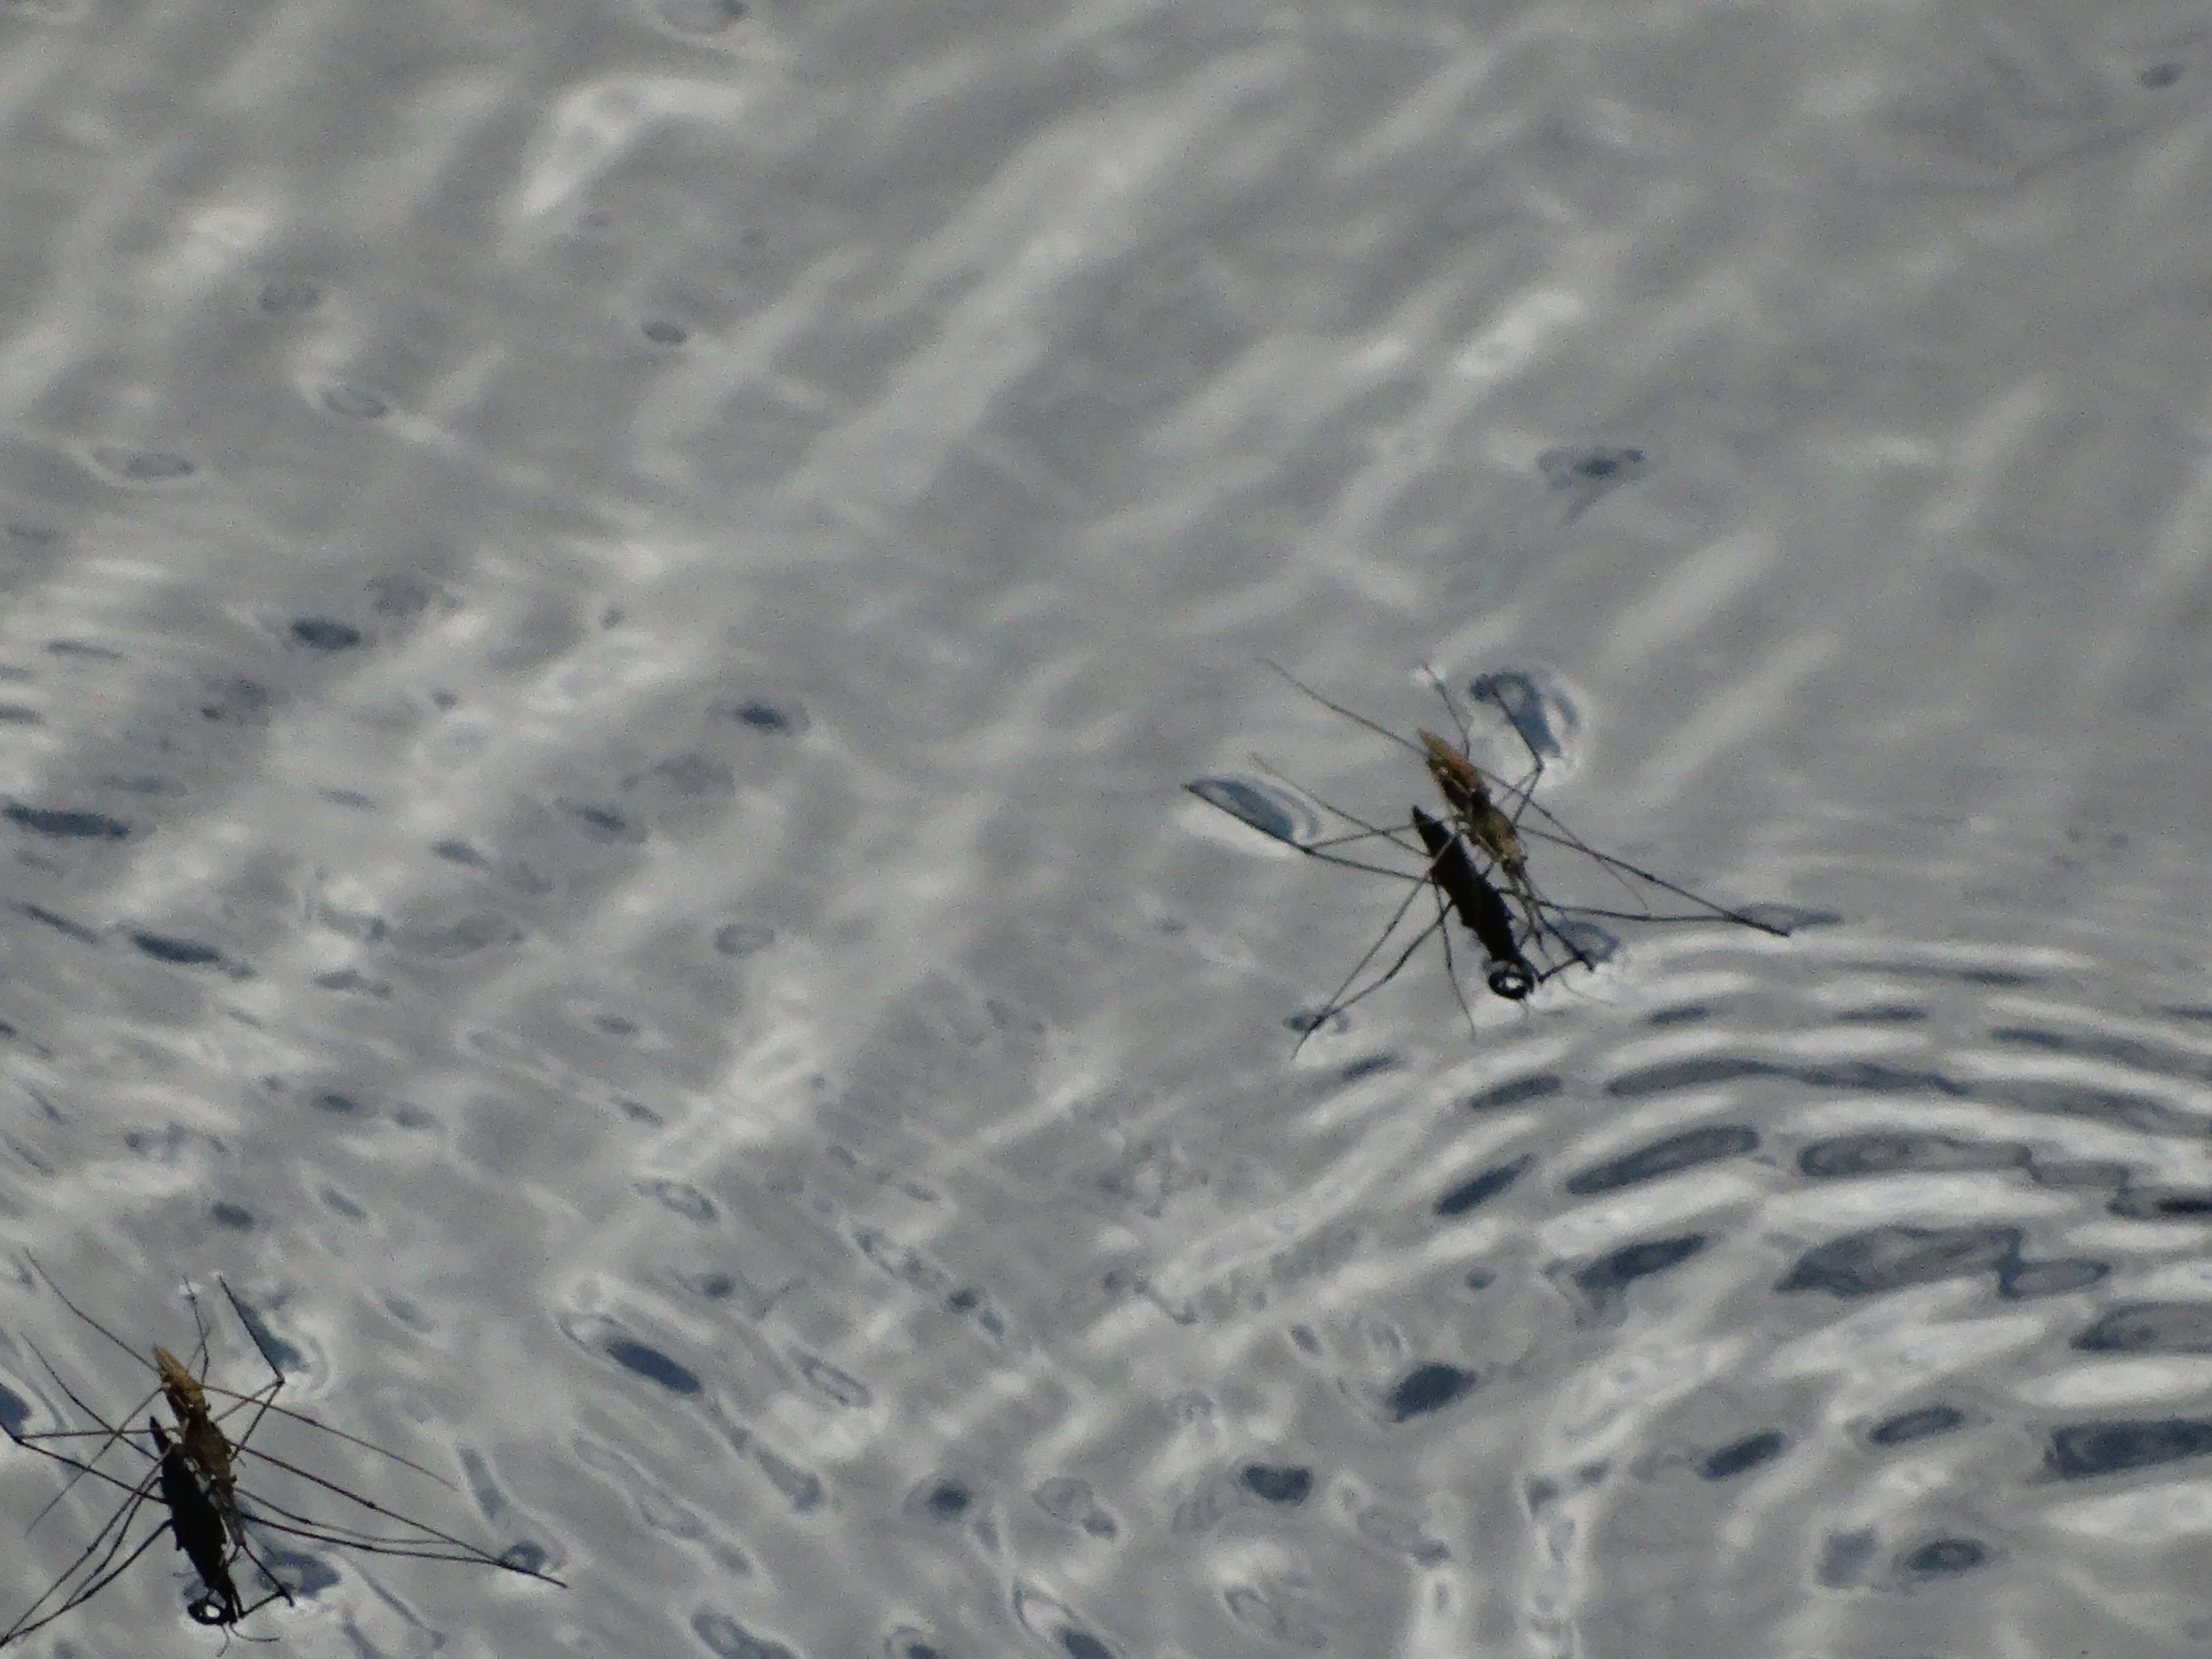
x=203, y=1442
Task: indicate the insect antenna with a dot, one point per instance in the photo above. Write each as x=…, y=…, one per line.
x=1352, y=715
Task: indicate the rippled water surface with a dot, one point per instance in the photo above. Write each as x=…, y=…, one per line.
x=608, y=608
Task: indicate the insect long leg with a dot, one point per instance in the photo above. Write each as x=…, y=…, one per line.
x=1352, y=715
x=25, y=1625
x=374, y=1507
x=111, y=1436
x=1618, y=868
x=1451, y=967
x=106, y=1543
x=1338, y=1002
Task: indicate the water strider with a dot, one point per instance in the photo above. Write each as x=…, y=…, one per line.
x=212, y=1513
x=1475, y=862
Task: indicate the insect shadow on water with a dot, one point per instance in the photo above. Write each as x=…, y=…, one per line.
x=192, y=1471
x=1475, y=863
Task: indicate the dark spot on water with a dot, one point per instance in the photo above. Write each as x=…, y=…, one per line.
x=336, y=1103
x=1482, y=1187
x=2022, y=1279
x=1578, y=466
x=1285, y=1484
x=914, y=1649
x=231, y=1216
x=1916, y=1424
x=845, y=1389
x=13, y=714
x=57, y=821
x=1515, y=1093
x=304, y=1575
x=684, y=1199
x=2151, y=1327
x=652, y=1364
x=600, y=822
x=1368, y=1067
x=1945, y=1555
x=800, y=1488
x=638, y=1112
x=321, y=633
x=344, y=1206
x=1843, y=1556
x=1710, y=1073
x=766, y=717
x=243, y=701
x=15, y=1411
x=663, y=332
x=142, y=465
x=286, y=1357
x=1691, y=1015
x=1522, y=701
x=1889, y=1154
x=1612, y=1273
x=1665, y=1158
x=1254, y=805
x=743, y=938
x=2088, y=1450
x=183, y=952
x=1889, y=1258
x=530, y=1557
x=288, y=295
x=1080, y=1644
x=964, y=1300
x=1746, y=1453
x=2156, y=78
x=1885, y=1014
x=2161, y=1204
x=355, y=402
x=1427, y=1388
x=1066, y=1499
x=60, y=924
x=725, y=1636
x=460, y=852
x=615, y=1025
x=948, y=1501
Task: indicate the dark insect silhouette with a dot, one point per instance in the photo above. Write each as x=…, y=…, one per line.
x=222, y=1497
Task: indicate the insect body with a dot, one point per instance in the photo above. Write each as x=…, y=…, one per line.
x=201, y=1442
x=197, y=1526
x=1479, y=907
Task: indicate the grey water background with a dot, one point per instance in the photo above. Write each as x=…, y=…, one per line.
x=606, y=609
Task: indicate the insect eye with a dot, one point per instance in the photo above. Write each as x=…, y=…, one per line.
x=1512, y=979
